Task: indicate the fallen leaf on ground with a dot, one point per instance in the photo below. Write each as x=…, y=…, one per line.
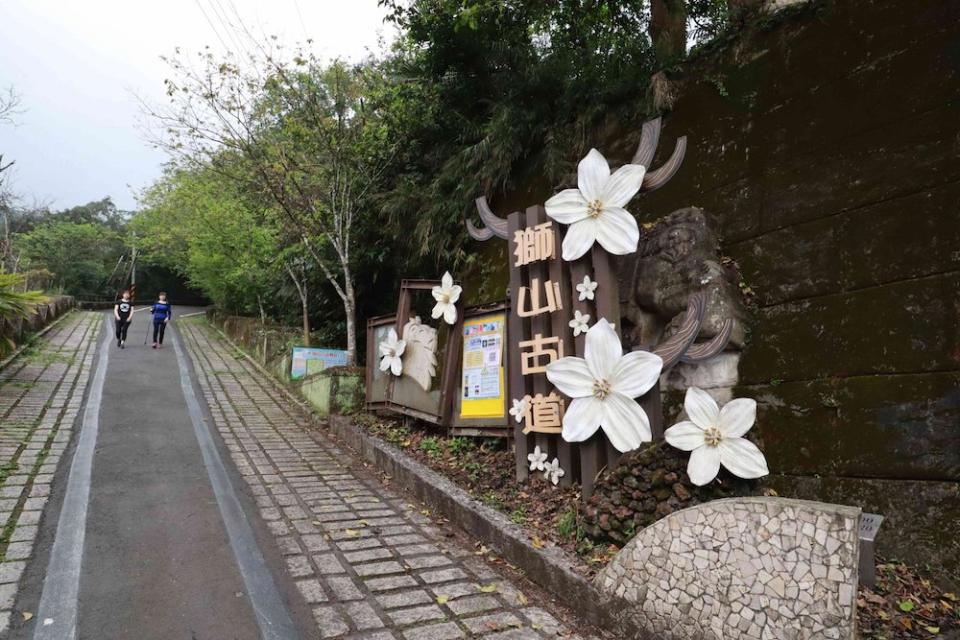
x=443, y=599
x=27, y=615
x=488, y=588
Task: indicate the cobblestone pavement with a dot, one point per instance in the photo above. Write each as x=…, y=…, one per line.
x=41, y=392
x=371, y=565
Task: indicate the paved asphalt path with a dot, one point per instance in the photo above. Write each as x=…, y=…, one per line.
x=157, y=558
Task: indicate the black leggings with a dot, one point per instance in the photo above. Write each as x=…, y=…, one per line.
x=158, y=328
x=122, y=326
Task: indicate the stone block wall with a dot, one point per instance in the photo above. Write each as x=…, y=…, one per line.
x=750, y=568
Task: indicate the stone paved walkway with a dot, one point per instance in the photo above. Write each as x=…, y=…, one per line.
x=371, y=565
x=41, y=392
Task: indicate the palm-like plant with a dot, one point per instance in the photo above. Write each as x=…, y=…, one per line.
x=16, y=304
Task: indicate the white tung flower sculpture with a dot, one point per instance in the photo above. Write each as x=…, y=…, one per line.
x=446, y=296
x=603, y=386
x=520, y=408
x=714, y=436
x=586, y=289
x=538, y=459
x=391, y=351
x=595, y=209
x=579, y=323
x=553, y=472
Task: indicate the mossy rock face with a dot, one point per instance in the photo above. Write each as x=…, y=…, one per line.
x=647, y=485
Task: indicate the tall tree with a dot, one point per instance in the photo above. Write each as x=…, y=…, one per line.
x=668, y=29
x=298, y=133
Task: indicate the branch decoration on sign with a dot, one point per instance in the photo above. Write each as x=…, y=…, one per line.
x=446, y=294
x=603, y=385
x=595, y=210
x=391, y=350
x=420, y=353
x=714, y=437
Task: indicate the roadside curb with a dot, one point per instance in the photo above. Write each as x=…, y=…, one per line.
x=548, y=567
x=16, y=352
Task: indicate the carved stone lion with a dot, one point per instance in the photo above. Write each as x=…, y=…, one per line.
x=677, y=256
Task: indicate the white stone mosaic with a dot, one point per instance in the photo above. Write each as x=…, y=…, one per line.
x=749, y=568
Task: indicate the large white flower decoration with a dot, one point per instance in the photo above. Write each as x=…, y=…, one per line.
x=586, y=289
x=553, y=472
x=538, y=459
x=391, y=351
x=714, y=436
x=446, y=296
x=579, y=323
x=595, y=209
x=603, y=385
x=520, y=407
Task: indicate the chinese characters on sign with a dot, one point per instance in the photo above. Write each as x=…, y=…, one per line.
x=534, y=244
x=539, y=355
x=543, y=414
x=552, y=293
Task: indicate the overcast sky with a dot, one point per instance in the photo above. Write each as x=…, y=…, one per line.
x=77, y=65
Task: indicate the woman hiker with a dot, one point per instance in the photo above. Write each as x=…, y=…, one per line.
x=162, y=312
x=121, y=313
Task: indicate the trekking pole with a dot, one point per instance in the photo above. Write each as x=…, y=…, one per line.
x=147, y=334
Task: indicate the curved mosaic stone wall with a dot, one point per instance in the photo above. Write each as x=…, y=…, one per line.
x=750, y=568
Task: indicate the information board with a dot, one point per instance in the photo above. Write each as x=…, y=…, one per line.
x=482, y=383
x=307, y=360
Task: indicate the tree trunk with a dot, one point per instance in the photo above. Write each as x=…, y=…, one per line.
x=668, y=29
x=350, y=311
x=304, y=303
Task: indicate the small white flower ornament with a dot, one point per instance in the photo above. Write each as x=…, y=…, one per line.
x=538, y=459
x=595, y=210
x=520, y=408
x=391, y=351
x=587, y=289
x=446, y=295
x=714, y=436
x=553, y=472
x=603, y=385
x=579, y=323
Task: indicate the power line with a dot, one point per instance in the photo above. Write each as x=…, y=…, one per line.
x=213, y=28
x=300, y=16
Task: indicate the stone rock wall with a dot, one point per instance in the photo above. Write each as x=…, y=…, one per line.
x=750, y=568
x=648, y=484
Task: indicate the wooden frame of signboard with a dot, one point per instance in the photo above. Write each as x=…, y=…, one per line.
x=401, y=395
x=487, y=426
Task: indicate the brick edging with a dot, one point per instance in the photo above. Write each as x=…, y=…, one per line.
x=547, y=567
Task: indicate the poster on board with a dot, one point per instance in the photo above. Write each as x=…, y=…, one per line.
x=308, y=360
x=482, y=384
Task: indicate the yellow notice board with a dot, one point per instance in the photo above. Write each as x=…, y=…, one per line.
x=482, y=381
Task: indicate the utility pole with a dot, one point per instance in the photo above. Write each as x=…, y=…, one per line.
x=133, y=269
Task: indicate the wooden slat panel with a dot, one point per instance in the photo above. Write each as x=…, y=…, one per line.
x=567, y=452
x=608, y=306
x=537, y=383
x=516, y=333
